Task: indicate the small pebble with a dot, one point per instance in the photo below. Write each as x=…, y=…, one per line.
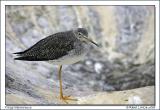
x=135, y=100
x=98, y=67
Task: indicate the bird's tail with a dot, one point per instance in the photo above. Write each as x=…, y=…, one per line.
x=19, y=53
x=21, y=56
x=27, y=58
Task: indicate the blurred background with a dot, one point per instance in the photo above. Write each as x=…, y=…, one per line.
x=125, y=61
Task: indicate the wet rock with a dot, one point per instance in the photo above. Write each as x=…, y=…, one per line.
x=134, y=96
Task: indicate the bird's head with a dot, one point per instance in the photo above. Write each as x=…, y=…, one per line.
x=82, y=35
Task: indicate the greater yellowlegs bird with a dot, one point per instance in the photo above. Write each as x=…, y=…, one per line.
x=61, y=48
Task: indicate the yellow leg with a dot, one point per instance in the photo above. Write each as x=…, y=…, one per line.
x=60, y=81
x=64, y=98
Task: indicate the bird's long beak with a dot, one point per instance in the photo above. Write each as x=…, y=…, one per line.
x=92, y=42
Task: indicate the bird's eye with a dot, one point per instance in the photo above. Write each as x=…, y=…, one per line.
x=79, y=33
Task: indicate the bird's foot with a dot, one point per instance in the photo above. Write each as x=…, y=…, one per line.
x=66, y=98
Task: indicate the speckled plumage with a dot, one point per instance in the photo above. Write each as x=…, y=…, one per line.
x=61, y=48
x=56, y=47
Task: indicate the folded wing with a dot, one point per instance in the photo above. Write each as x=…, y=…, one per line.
x=50, y=48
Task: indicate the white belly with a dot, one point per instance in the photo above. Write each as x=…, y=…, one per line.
x=66, y=60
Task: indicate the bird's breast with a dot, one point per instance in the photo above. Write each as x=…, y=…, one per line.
x=75, y=55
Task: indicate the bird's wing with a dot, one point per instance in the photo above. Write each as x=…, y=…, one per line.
x=50, y=48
